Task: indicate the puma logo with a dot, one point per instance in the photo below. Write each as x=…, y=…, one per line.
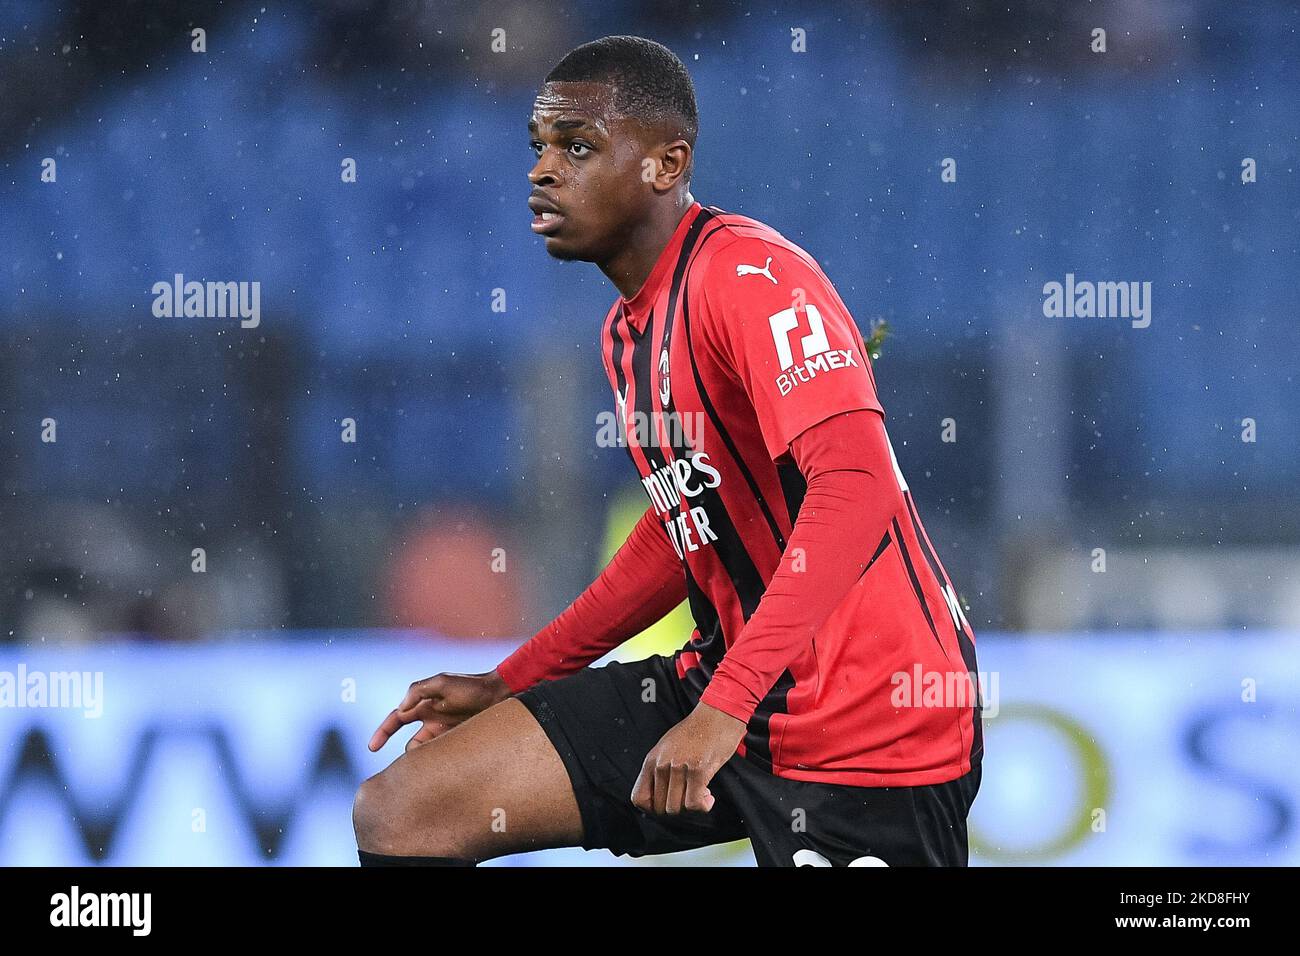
x=744, y=269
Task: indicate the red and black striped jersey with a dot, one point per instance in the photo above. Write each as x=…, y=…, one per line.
x=735, y=344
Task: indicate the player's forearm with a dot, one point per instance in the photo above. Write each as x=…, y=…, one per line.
x=641, y=583
x=850, y=500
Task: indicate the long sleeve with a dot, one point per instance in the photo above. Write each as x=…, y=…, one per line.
x=641, y=583
x=851, y=497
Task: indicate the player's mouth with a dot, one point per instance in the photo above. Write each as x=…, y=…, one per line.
x=547, y=222
x=546, y=217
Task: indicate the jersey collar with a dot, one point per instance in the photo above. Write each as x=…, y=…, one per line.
x=637, y=308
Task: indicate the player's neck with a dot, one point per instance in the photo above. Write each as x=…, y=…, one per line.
x=630, y=268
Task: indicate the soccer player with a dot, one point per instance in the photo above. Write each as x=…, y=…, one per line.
x=814, y=708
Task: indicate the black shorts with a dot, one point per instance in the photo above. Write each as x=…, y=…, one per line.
x=604, y=720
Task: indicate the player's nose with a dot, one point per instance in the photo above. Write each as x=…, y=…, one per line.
x=543, y=173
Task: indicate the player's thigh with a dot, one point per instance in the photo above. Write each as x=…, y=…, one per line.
x=490, y=786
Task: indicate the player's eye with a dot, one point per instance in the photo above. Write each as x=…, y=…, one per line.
x=580, y=150
x=535, y=146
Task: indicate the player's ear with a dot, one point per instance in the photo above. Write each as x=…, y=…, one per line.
x=674, y=160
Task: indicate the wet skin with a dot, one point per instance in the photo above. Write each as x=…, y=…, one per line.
x=615, y=184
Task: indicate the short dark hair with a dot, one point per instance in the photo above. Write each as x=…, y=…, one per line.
x=649, y=81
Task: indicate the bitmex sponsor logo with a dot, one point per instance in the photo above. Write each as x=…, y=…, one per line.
x=947, y=689
x=208, y=300
x=1099, y=300
x=818, y=357
x=74, y=908
x=65, y=690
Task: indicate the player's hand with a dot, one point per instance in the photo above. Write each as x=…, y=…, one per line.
x=677, y=770
x=440, y=703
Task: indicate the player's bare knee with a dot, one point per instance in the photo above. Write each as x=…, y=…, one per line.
x=381, y=817
x=388, y=818
x=369, y=812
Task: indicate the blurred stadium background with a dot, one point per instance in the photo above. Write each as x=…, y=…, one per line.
x=237, y=701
